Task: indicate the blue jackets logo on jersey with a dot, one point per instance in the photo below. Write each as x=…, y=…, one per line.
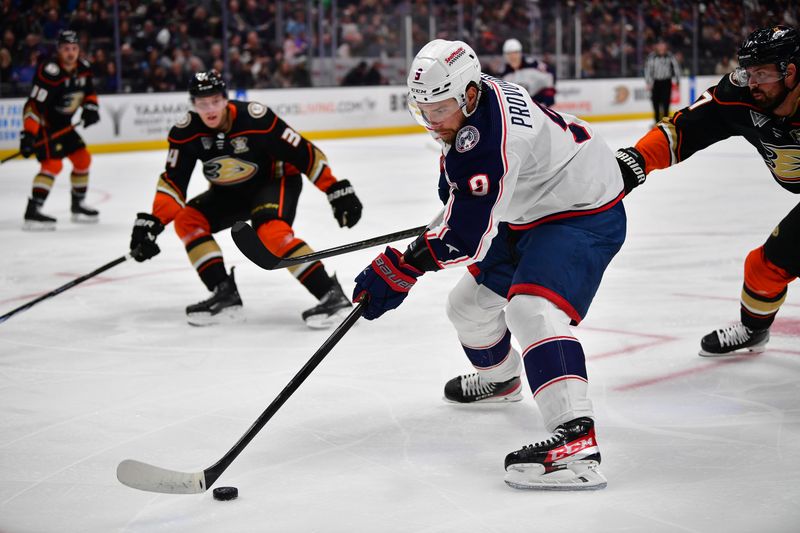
x=467, y=138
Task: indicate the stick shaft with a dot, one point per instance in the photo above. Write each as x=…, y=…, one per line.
x=213, y=472
x=57, y=134
x=249, y=243
x=63, y=288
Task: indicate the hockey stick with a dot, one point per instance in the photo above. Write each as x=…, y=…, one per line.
x=64, y=287
x=250, y=245
x=143, y=476
x=56, y=135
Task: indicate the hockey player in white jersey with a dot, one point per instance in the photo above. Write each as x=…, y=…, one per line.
x=533, y=210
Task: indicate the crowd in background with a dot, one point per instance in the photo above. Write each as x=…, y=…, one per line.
x=282, y=43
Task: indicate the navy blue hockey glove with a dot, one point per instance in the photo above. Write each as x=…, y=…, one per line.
x=345, y=204
x=90, y=114
x=631, y=163
x=386, y=281
x=143, y=237
x=26, y=143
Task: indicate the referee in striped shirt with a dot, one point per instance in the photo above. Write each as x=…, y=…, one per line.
x=661, y=70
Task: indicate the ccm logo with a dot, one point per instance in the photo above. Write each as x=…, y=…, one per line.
x=571, y=448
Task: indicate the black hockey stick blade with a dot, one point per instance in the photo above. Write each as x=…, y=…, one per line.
x=143, y=476
x=64, y=287
x=247, y=241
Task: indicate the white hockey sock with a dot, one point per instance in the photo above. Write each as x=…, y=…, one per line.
x=554, y=361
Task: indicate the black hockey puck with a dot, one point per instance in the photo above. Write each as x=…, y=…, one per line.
x=225, y=494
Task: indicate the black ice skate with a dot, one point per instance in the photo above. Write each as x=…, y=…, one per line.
x=331, y=309
x=471, y=388
x=733, y=339
x=568, y=460
x=225, y=305
x=82, y=213
x=35, y=220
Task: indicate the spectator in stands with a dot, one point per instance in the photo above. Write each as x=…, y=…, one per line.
x=53, y=25
x=537, y=77
x=282, y=78
x=356, y=75
x=373, y=76
x=6, y=85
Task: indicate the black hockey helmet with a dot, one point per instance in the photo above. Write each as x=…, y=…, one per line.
x=68, y=37
x=778, y=45
x=207, y=83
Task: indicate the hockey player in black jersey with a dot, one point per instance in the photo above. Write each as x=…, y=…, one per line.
x=758, y=101
x=254, y=163
x=61, y=87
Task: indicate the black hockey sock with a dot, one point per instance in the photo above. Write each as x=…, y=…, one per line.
x=316, y=280
x=213, y=274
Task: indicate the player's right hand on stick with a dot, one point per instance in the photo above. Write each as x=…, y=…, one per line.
x=386, y=282
x=26, y=143
x=143, y=237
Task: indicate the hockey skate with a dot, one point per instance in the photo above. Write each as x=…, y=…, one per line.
x=471, y=388
x=35, y=220
x=224, y=306
x=83, y=214
x=568, y=460
x=331, y=309
x=734, y=339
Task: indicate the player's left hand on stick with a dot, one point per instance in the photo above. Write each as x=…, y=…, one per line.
x=386, y=281
x=345, y=204
x=90, y=114
x=143, y=237
x=27, y=143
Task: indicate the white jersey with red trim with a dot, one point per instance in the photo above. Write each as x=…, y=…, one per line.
x=516, y=162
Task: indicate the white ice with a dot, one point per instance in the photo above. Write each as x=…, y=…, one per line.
x=110, y=370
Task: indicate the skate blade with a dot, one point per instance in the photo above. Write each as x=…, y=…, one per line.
x=229, y=315
x=84, y=219
x=30, y=225
x=759, y=348
x=579, y=475
x=327, y=321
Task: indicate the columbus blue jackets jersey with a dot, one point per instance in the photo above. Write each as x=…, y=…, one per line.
x=518, y=163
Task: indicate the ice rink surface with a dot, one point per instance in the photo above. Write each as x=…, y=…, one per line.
x=110, y=370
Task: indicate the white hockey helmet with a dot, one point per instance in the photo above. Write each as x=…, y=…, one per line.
x=442, y=70
x=512, y=45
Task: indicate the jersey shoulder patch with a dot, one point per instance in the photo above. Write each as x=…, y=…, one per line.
x=727, y=92
x=83, y=64
x=257, y=110
x=51, y=69
x=466, y=139
x=184, y=121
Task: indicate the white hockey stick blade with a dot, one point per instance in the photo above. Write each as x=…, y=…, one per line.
x=143, y=476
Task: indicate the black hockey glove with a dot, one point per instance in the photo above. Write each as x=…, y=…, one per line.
x=631, y=163
x=26, y=143
x=345, y=204
x=90, y=114
x=143, y=237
